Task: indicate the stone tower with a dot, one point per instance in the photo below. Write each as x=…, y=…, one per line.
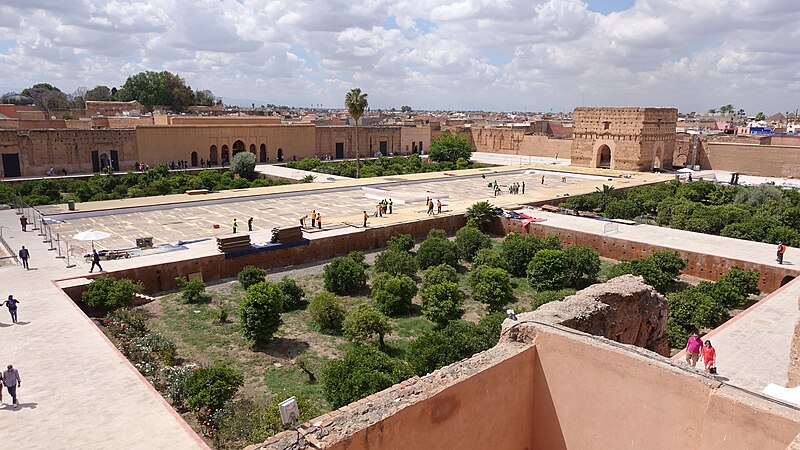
x=628, y=138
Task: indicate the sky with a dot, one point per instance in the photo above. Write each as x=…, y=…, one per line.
x=492, y=55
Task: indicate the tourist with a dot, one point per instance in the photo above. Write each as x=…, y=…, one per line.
x=64, y=172
x=366, y=216
x=523, y=187
x=250, y=224
x=496, y=190
x=781, y=251
x=390, y=206
x=693, y=346
x=303, y=220
x=430, y=208
x=24, y=222
x=313, y=218
x=438, y=206
x=709, y=357
x=319, y=220
x=542, y=179
x=24, y=254
x=96, y=261
x=51, y=172
x=11, y=304
x=12, y=381
x=378, y=210
x=234, y=224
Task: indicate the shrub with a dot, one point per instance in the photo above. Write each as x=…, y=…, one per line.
x=400, y=242
x=469, y=240
x=292, y=294
x=221, y=314
x=358, y=257
x=623, y=209
x=584, y=265
x=395, y=262
x=173, y=382
x=540, y=298
x=209, y=388
x=458, y=340
x=126, y=323
x=361, y=372
x=733, y=288
x=327, y=313
x=658, y=270
x=260, y=312
x=393, y=294
x=344, y=275
x=490, y=257
x=244, y=164
x=246, y=422
x=436, y=250
x=450, y=147
x=193, y=291
x=443, y=302
x=481, y=213
x=491, y=286
x=518, y=250
x=110, y=292
x=551, y=242
x=548, y=270
x=439, y=274
x=366, y=321
x=250, y=275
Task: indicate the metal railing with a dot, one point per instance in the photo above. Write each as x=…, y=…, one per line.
x=39, y=223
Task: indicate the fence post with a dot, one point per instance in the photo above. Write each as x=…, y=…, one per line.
x=58, y=245
x=66, y=244
x=50, y=237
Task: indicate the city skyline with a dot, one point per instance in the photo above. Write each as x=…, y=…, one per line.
x=432, y=55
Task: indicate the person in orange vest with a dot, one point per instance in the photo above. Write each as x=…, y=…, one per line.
x=781, y=251
x=313, y=218
x=319, y=220
x=438, y=206
x=366, y=216
x=303, y=221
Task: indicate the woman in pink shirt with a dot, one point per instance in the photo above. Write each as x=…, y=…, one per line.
x=693, y=349
x=709, y=356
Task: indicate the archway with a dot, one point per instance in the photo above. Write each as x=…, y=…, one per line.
x=253, y=149
x=194, y=159
x=226, y=156
x=786, y=280
x=105, y=161
x=657, y=160
x=238, y=147
x=603, y=157
x=213, y=157
x=280, y=154
x=681, y=160
x=263, y=154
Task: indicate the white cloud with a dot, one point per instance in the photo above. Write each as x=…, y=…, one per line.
x=481, y=54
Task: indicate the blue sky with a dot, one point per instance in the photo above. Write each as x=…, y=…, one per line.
x=534, y=55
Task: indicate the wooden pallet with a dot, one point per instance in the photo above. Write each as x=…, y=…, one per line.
x=233, y=242
x=289, y=234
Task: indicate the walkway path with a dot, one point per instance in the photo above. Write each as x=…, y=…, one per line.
x=77, y=390
x=515, y=160
x=296, y=174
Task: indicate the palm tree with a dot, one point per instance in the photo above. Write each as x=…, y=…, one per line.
x=356, y=103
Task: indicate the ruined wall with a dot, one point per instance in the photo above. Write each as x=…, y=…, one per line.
x=410, y=138
x=638, y=138
x=624, y=309
x=750, y=159
x=369, y=139
x=515, y=141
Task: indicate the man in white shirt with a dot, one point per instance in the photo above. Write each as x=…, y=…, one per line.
x=12, y=381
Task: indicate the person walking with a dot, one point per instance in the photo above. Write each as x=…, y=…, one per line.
x=390, y=206
x=523, y=187
x=319, y=220
x=96, y=261
x=234, y=224
x=303, y=221
x=366, y=216
x=12, y=381
x=781, y=251
x=496, y=191
x=430, y=208
x=709, y=357
x=24, y=222
x=313, y=217
x=24, y=254
x=693, y=346
x=11, y=304
x=438, y=206
x=542, y=179
x=250, y=224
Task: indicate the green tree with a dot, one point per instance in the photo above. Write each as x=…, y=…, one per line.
x=491, y=258
x=364, y=370
x=193, y=291
x=491, y=286
x=518, y=250
x=482, y=213
x=400, y=242
x=395, y=262
x=292, y=294
x=443, y=302
x=260, y=312
x=47, y=96
x=435, y=250
x=548, y=270
x=98, y=93
x=111, y=293
x=157, y=88
x=244, y=164
x=760, y=116
x=327, y=313
x=469, y=239
x=356, y=103
x=365, y=322
x=449, y=147
x=458, y=340
x=393, y=294
x=438, y=274
x=344, y=275
x=211, y=387
x=584, y=265
x=543, y=297
x=250, y=275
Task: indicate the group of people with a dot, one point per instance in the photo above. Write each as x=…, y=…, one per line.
x=235, y=224
x=141, y=167
x=383, y=207
x=316, y=219
x=51, y=172
x=514, y=188
x=697, y=348
x=175, y=165
x=429, y=204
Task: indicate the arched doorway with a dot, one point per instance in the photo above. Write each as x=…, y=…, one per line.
x=657, y=160
x=105, y=161
x=238, y=147
x=213, y=157
x=226, y=156
x=786, y=280
x=262, y=157
x=603, y=157
x=280, y=154
x=253, y=149
x=194, y=159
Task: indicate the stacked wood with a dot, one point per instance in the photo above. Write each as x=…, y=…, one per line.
x=233, y=242
x=289, y=234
